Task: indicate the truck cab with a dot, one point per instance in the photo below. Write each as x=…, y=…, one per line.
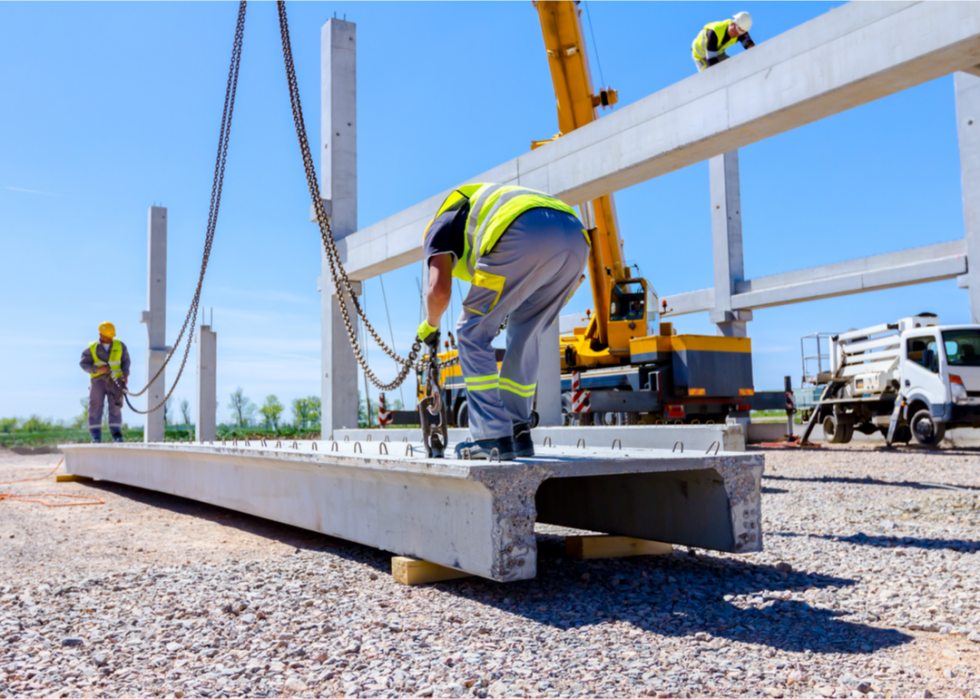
x=940, y=379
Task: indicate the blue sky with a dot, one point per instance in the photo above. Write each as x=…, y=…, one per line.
x=109, y=108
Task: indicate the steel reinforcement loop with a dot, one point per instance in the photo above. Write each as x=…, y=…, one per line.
x=216, y=189
x=342, y=283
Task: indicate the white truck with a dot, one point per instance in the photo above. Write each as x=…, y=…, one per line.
x=913, y=379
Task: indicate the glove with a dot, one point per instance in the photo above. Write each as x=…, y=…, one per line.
x=429, y=335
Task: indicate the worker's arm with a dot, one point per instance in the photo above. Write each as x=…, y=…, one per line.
x=746, y=41
x=710, y=48
x=125, y=362
x=440, y=288
x=88, y=363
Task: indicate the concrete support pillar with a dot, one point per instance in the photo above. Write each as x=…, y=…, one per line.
x=156, y=321
x=726, y=237
x=548, y=402
x=338, y=153
x=206, y=406
x=968, y=130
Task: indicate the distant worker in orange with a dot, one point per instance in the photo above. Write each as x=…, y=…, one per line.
x=108, y=363
x=709, y=45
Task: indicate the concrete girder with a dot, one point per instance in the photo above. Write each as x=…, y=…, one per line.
x=916, y=266
x=473, y=516
x=822, y=67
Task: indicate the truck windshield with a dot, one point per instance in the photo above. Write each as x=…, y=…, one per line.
x=962, y=347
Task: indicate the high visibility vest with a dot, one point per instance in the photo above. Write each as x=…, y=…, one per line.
x=115, y=358
x=493, y=207
x=700, y=45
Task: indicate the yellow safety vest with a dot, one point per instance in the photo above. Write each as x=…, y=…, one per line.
x=493, y=207
x=699, y=47
x=115, y=358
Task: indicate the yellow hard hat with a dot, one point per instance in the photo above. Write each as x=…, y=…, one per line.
x=107, y=329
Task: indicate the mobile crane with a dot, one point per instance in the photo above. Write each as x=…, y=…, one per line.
x=649, y=379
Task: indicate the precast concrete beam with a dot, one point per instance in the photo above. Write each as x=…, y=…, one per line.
x=473, y=516
x=726, y=239
x=699, y=438
x=929, y=263
x=338, y=160
x=825, y=66
x=968, y=130
x=155, y=318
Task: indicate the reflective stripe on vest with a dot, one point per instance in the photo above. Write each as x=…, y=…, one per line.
x=493, y=207
x=699, y=47
x=115, y=358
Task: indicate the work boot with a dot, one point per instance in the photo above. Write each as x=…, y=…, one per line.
x=481, y=448
x=523, y=446
x=96, y=433
x=116, y=435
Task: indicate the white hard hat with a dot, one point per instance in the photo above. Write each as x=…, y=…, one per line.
x=743, y=20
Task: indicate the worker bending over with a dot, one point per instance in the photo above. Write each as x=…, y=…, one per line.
x=523, y=253
x=710, y=44
x=108, y=363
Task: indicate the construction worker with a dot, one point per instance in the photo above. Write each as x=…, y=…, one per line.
x=523, y=253
x=709, y=45
x=108, y=363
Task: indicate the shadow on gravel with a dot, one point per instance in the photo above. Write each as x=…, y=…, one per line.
x=888, y=542
x=675, y=595
x=914, y=485
x=681, y=595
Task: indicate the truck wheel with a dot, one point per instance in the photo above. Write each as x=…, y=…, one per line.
x=835, y=432
x=463, y=415
x=925, y=430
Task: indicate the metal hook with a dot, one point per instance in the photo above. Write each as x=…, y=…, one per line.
x=614, y=444
x=368, y=438
x=264, y=444
x=382, y=448
x=580, y=442
x=716, y=445
x=247, y=443
x=346, y=437
x=675, y=447
x=547, y=441
x=496, y=452
x=334, y=447
x=357, y=448
x=404, y=439
x=409, y=450
x=315, y=447
x=467, y=454
x=278, y=444
x=386, y=438
x=295, y=445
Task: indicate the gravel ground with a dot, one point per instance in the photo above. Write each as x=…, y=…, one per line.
x=869, y=586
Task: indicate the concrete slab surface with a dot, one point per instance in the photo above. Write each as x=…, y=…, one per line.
x=474, y=516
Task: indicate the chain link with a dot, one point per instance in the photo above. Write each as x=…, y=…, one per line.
x=216, y=187
x=342, y=284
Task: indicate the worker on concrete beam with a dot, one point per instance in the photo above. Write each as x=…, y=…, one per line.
x=523, y=253
x=709, y=45
x=107, y=361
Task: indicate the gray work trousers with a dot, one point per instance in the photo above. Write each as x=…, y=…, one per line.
x=528, y=276
x=101, y=389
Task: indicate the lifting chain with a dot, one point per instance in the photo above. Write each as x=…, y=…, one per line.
x=342, y=284
x=216, y=187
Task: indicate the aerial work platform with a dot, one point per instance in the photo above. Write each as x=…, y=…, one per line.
x=474, y=516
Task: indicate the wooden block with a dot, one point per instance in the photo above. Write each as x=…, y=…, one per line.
x=71, y=478
x=411, y=571
x=599, y=546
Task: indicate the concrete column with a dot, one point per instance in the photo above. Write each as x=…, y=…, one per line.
x=206, y=407
x=338, y=153
x=156, y=321
x=726, y=237
x=968, y=129
x=549, y=378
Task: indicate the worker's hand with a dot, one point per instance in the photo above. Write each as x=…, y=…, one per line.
x=101, y=370
x=429, y=335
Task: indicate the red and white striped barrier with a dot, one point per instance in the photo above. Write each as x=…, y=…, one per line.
x=580, y=398
x=790, y=402
x=384, y=416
